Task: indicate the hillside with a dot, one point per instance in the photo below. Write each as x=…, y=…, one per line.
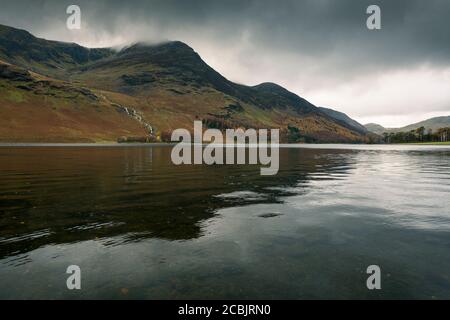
x=432, y=123
x=38, y=109
x=55, y=91
x=346, y=120
x=42, y=56
x=375, y=128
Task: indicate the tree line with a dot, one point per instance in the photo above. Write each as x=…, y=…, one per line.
x=418, y=135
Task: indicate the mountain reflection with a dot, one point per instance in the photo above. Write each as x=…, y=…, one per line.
x=70, y=194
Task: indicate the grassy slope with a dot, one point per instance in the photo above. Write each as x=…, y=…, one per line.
x=54, y=111
x=49, y=114
x=431, y=143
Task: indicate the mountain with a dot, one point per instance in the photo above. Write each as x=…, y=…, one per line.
x=433, y=124
x=375, y=128
x=54, y=58
x=345, y=119
x=61, y=92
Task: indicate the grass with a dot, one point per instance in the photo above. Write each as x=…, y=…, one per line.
x=431, y=143
x=15, y=96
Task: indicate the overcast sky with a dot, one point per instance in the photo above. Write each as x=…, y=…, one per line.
x=319, y=49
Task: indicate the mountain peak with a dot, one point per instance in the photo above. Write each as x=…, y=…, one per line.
x=11, y=34
x=345, y=120
x=269, y=86
x=142, y=47
x=47, y=57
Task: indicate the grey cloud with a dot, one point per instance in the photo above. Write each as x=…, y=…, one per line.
x=413, y=30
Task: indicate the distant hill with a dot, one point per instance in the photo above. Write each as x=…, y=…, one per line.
x=375, y=128
x=433, y=123
x=345, y=119
x=59, y=92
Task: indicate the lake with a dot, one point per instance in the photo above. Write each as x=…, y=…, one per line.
x=140, y=227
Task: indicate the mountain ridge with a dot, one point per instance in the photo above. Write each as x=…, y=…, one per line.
x=345, y=119
x=431, y=123
x=168, y=84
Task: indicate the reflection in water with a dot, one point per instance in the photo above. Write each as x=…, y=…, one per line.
x=81, y=194
x=131, y=218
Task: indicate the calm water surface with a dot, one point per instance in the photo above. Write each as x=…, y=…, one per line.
x=140, y=227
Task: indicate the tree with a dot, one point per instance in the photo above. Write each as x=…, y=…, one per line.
x=443, y=134
x=420, y=132
x=429, y=136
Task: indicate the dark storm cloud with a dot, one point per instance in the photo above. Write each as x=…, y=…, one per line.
x=413, y=30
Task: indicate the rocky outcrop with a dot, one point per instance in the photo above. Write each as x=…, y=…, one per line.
x=13, y=73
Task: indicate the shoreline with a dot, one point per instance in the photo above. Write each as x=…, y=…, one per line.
x=446, y=143
x=357, y=146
